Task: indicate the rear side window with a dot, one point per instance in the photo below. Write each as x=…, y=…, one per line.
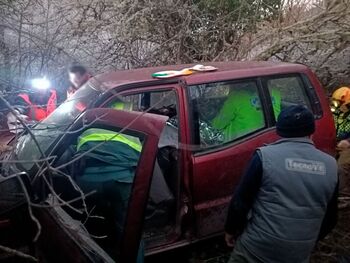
x=289, y=90
x=225, y=111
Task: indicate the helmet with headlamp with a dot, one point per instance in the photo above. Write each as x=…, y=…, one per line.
x=340, y=98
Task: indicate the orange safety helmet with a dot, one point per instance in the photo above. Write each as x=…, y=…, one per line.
x=341, y=100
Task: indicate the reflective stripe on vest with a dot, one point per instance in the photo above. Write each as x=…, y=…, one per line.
x=342, y=124
x=95, y=134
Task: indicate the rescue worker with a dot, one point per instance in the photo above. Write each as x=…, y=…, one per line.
x=341, y=113
x=114, y=160
x=242, y=112
x=78, y=76
x=340, y=108
x=35, y=104
x=287, y=198
x=109, y=164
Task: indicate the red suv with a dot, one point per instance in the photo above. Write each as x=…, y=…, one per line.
x=188, y=168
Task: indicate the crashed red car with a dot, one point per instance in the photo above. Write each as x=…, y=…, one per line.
x=186, y=162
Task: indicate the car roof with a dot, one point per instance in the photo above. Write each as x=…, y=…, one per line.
x=116, y=78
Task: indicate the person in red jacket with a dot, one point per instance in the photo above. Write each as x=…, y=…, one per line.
x=78, y=76
x=34, y=104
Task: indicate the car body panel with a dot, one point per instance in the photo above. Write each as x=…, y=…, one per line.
x=216, y=174
x=228, y=70
x=61, y=233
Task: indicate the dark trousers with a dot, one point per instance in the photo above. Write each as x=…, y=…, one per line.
x=344, y=170
x=241, y=255
x=111, y=202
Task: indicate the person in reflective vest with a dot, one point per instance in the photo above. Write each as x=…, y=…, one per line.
x=242, y=112
x=340, y=106
x=109, y=162
x=35, y=104
x=121, y=105
x=35, y=110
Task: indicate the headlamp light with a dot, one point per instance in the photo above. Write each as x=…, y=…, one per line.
x=335, y=104
x=41, y=83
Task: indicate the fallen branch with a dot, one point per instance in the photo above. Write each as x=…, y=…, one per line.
x=35, y=220
x=17, y=253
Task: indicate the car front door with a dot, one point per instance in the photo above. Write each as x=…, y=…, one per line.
x=163, y=224
x=146, y=127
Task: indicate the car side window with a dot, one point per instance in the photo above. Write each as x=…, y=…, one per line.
x=133, y=101
x=157, y=102
x=225, y=111
x=289, y=89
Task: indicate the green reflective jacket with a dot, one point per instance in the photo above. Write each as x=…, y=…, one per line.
x=342, y=124
x=242, y=113
x=114, y=156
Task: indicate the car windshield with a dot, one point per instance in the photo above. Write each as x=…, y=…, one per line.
x=47, y=131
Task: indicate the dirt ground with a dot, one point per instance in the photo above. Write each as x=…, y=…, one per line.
x=336, y=246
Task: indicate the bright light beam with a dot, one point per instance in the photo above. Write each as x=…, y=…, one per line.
x=41, y=83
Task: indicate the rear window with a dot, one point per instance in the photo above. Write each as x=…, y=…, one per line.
x=223, y=112
x=290, y=89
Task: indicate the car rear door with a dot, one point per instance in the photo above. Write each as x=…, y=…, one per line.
x=221, y=151
x=219, y=162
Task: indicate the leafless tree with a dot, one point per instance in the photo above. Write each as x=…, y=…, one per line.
x=42, y=37
x=316, y=35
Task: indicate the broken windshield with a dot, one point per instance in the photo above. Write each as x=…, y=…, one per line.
x=47, y=131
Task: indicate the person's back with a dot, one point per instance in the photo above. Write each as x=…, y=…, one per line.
x=107, y=165
x=298, y=182
x=290, y=192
